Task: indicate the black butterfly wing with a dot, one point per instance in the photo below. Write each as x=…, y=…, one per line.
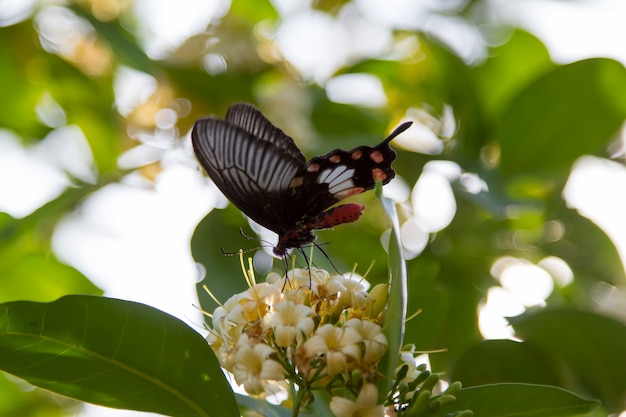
x=250, y=161
x=328, y=179
x=250, y=119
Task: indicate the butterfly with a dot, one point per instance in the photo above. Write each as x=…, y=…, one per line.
x=262, y=172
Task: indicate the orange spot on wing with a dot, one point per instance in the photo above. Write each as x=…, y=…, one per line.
x=296, y=182
x=356, y=155
x=313, y=168
x=335, y=159
x=378, y=174
x=377, y=157
x=347, y=193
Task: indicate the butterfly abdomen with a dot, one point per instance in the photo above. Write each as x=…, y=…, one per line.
x=346, y=213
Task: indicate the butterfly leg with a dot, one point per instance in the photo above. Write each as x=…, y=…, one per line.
x=308, y=263
x=327, y=257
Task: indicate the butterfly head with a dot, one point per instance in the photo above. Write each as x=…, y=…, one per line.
x=293, y=239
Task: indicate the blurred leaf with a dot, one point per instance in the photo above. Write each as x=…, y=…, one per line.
x=586, y=248
x=517, y=400
x=344, y=126
x=447, y=282
x=569, y=112
x=428, y=304
x=217, y=231
x=253, y=10
x=509, y=68
x=494, y=361
x=263, y=407
x=318, y=408
x=592, y=346
x=27, y=73
x=28, y=268
x=114, y=353
x=123, y=44
x=41, y=277
x=451, y=82
x=20, y=63
x=89, y=104
x=395, y=315
x=17, y=400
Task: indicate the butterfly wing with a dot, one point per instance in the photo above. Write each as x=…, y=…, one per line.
x=328, y=179
x=251, y=162
x=250, y=119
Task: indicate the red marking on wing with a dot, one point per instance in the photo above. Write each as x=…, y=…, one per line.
x=347, y=193
x=377, y=157
x=296, y=182
x=347, y=213
x=378, y=174
x=335, y=159
x=356, y=155
x=313, y=168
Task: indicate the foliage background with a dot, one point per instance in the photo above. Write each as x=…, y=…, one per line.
x=520, y=123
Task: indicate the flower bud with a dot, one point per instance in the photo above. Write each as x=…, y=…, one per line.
x=378, y=298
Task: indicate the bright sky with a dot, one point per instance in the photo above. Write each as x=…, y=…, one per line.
x=113, y=238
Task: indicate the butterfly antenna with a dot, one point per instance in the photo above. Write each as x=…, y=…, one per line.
x=266, y=244
x=286, y=265
x=256, y=239
x=224, y=252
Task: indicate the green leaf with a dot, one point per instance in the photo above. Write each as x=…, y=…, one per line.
x=263, y=407
x=16, y=401
x=253, y=10
x=319, y=407
x=587, y=249
x=122, y=43
x=518, y=400
x=395, y=315
x=41, y=277
x=21, y=89
x=592, y=346
x=510, y=68
x=494, y=361
x=272, y=410
x=569, y=112
x=223, y=273
x=348, y=125
x=114, y=353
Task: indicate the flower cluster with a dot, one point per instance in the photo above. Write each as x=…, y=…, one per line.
x=308, y=330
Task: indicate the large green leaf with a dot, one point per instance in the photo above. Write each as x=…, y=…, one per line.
x=518, y=400
x=586, y=248
x=123, y=44
x=509, y=68
x=21, y=95
x=224, y=277
x=573, y=110
x=16, y=401
x=114, y=353
x=591, y=345
x=41, y=277
x=495, y=361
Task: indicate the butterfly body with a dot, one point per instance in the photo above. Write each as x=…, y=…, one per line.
x=262, y=172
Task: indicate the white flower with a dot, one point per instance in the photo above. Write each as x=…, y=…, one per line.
x=364, y=406
x=374, y=340
x=290, y=321
x=255, y=300
x=355, y=294
x=335, y=344
x=253, y=366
